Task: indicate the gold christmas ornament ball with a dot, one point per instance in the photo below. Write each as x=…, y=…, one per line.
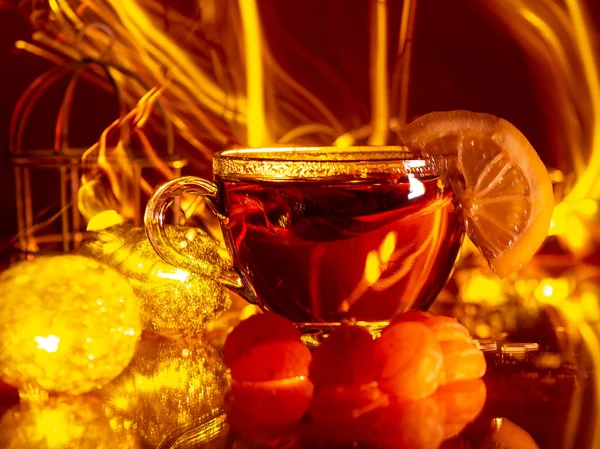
x=65, y=422
x=68, y=324
x=173, y=301
x=169, y=384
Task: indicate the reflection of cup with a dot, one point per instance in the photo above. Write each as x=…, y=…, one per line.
x=319, y=235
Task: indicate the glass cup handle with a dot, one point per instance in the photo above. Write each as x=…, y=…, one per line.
x=154, y=219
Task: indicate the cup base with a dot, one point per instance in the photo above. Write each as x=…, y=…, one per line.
x=313, y=334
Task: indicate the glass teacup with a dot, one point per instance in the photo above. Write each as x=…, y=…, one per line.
x=324, y=234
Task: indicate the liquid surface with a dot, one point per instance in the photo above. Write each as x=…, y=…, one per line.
x=325, y=252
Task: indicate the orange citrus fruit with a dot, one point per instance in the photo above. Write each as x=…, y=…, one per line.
x=344, y=404
x=462, y=360
x=346, y=357
x=255, y=330
x=445, y=327
x=502, y=187
x=462, y=402
x=412, y=361
x=273, y=360
x=404, y=425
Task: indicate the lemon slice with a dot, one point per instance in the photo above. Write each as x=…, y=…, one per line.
x=502, y=188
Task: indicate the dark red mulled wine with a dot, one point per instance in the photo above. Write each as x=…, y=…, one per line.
x=323, y=251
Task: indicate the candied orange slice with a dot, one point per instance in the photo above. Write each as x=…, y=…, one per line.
x=274, y=360
x=462, y=360
x=345, y=404
x=405, y=424
x=257, y=329
x=502, y=187
x=270, y=403
x=346, y=357
x=462, y=402
x=412, y=361
x=445, y=328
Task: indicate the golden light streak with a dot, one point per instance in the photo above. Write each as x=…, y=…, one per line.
x=123, y=44
x=172, y=56
x=402, y=71
x=549, y=35
x=590, y=338
x=202, y=117
x=108, y=16
x=566, y=94
x=256, y=126
x=559, y=38
x=63, y=5
x=153, y=157
x=56, y=45
x=39, y=51
x=304, y=130
x=535, y=25
x=59, y=14
x=588, y=184
x=191, y=138
x=380, y=108
x=116, y=162
x=349, y=138
x=307, y=95
x=213, y=103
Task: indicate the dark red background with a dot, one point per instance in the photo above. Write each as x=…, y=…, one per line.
x=463, y=59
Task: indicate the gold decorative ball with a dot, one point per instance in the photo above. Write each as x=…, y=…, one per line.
x=65, y=422
x=68, y=324
x=169, y=384
x=173, y=300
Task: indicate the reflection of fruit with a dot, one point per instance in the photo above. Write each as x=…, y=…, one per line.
x=501, y=185
x=324, y=435
x=346, y=357
x=462, y=402
x=271, y=403
x=260, y=328
x=412, y=360
x=462, y=360
x=273, y=360
x=344, y=404
x=444, y=327
x=253, y=433
x=507, y=435
x=447, y=328
x=405, y=425
x=456, y=443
